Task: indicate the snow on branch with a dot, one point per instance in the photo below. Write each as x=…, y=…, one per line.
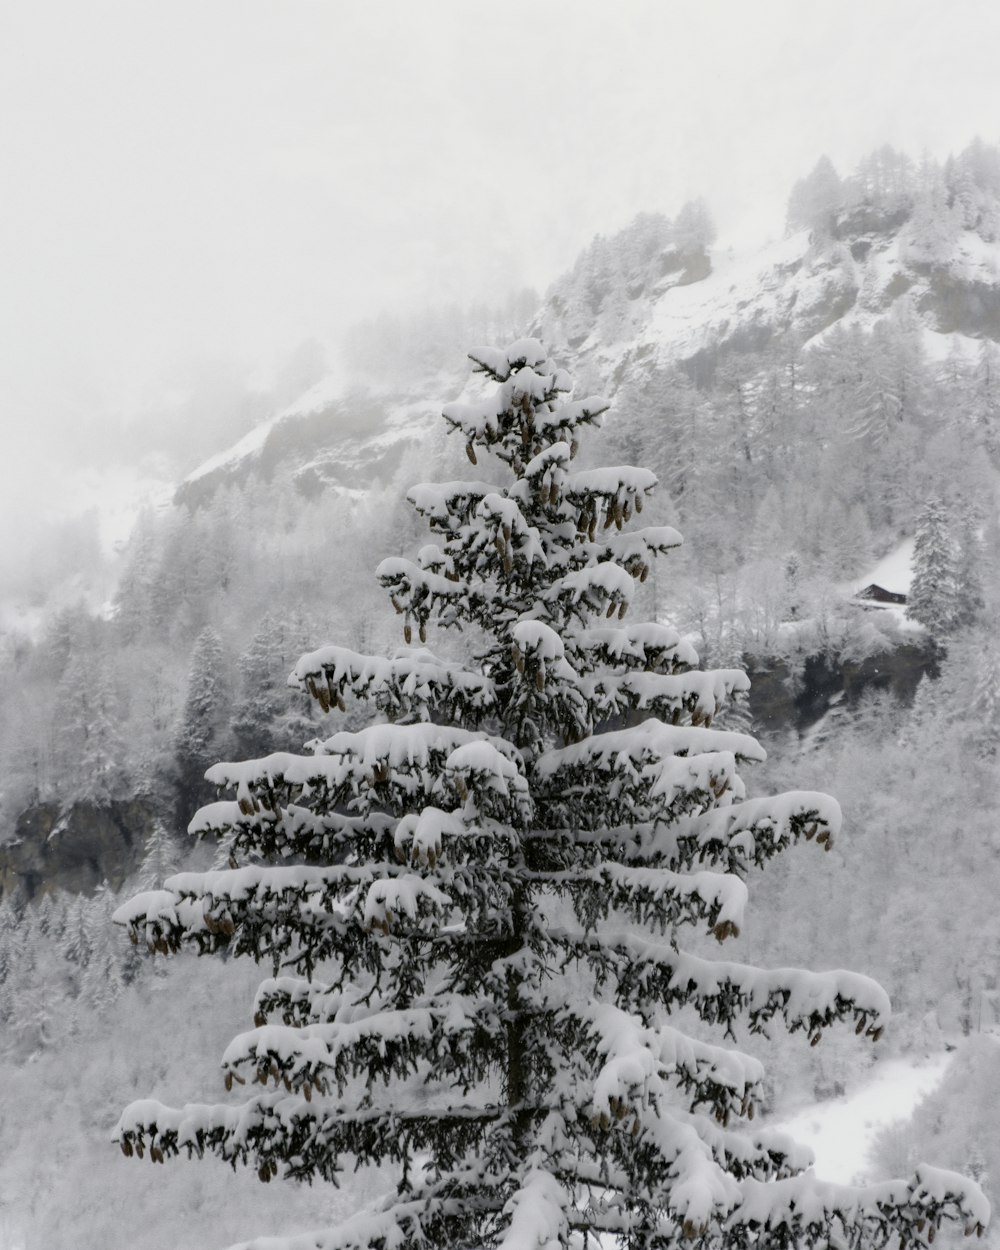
x=416, y=592
x=656, y=897
x=646, y=646
x=543, y=477
x=411, y=684
x=725, y=1080
x=419, y=837
x=449, y=505
x=296, y=1001
x=280, y=1128
x=403, y=766
x=604, y=497
x=650, y=770
x=722, y=992
x=307, y=913
x=498, y=363
x=605, y=587
x=378, y=1043
x=294, y=830
x=623, y=747
x=742, y=834
x=700, y=695
x=803, y=1211
x=537, y=1214
x=636, y=549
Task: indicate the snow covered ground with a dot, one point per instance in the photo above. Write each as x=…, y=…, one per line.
x=893, y=572
x=841, y=1130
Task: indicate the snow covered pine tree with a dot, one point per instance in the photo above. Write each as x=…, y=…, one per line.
x=935, y=596
x=478, y=916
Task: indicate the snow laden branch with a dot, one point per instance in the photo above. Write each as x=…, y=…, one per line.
x=652, y=771
x=401, y=767
x=473, y=907
x=412, y=685
x=643, y=647
x=293, y=831
x=724, y=993
x=730, y=838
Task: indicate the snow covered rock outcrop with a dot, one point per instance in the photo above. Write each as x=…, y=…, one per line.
x=636, y=301
x=799, y=286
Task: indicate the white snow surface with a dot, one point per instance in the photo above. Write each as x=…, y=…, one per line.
x=841, y=1130
x=686, y=318
x=893, y=572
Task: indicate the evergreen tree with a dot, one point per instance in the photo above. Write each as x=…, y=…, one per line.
x=90, y=750
x=134, y=597
x=934, y=593
x=970, y=602
x=478, y=902
x=102, y=979
x=263, y=714
x=694, y=229
x=196, y=738
x=984, y=706
x=816, y=199
x=923, y=712
x=161, y=858
x=985, y=397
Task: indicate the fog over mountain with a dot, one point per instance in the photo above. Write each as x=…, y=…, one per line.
x=197, y=191
x=246, y=251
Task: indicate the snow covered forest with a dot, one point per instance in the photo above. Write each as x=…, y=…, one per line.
x=823, y=419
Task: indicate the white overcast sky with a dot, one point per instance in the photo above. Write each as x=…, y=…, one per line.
x=201, y=178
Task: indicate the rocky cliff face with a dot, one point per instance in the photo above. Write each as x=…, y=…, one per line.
x=328, y=439
x=874, y=265
x=75, y=849
x=626, y=306
x=780, y=702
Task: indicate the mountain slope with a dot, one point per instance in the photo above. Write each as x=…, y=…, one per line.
x=607, y=321
x=800, y=287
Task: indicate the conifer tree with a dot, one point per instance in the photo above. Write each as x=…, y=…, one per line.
x=984, y=705
x=264, y=709
x=475, y=906
x=196, y=737
x=970, y=602
x=934, y=593
x=89, y=747
x=161, y=857
x=102, y=978
x=816, y=199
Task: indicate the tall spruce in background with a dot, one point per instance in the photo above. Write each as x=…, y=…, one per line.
x=201, y=716
x=476, y=904
x=935, y=594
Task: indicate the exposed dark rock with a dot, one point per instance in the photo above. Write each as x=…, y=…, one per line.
x=697, y=267
x=870, y=219
x=781, y=701
x=74, y=849
x=961, y=306
x=898, y=285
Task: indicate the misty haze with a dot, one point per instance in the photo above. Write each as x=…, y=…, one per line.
x=499, y=599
